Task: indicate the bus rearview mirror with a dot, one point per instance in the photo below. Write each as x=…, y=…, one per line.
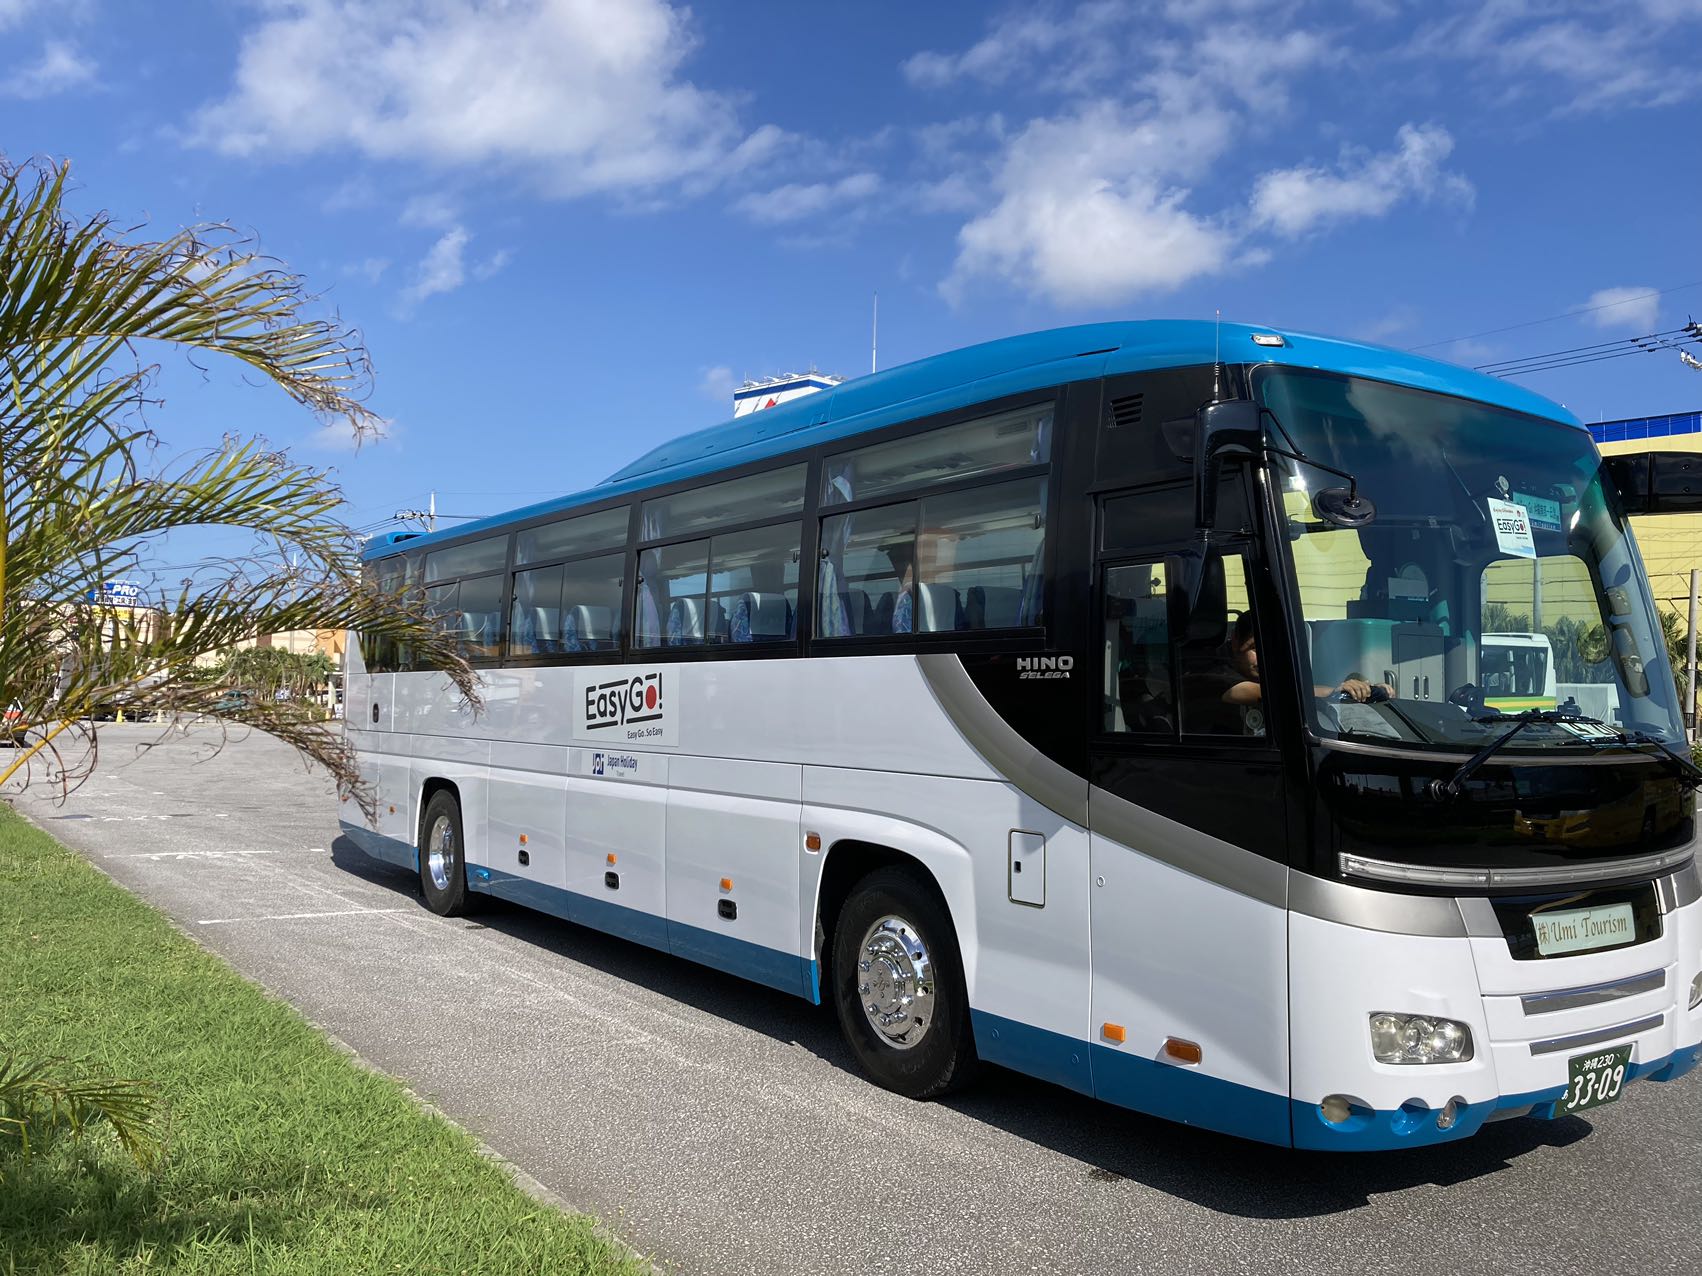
x=1232, y=428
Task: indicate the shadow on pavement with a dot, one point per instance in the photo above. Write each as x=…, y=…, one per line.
x=1116, y=1147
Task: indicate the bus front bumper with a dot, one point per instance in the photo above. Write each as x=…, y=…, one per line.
x=1528, y=1019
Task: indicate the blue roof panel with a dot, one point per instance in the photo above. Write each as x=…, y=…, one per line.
x=995, y=369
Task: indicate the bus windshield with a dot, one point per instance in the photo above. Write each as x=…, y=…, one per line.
x=1497, y=576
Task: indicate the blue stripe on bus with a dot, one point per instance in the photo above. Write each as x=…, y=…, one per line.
x=1191, y=1097
x=788, y=972
x=1013, y=365
x=760, y=964
x=1383, y=1131
x=391, y=850
x=1036, y=1052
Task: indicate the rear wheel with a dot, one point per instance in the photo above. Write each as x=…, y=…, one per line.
x=443, y=859
x=898, y=986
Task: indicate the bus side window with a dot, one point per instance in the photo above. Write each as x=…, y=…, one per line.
x=1218, y=654
x=1139, y=695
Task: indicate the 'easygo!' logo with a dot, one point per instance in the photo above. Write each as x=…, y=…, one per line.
x=625, y=702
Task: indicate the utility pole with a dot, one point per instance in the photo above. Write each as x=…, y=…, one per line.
x=1690, y=663
x=428, y=515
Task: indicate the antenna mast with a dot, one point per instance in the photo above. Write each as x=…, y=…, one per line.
x=1217, y=359
x=874, y=332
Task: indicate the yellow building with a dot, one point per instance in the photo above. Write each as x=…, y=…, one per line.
x=1671, y=543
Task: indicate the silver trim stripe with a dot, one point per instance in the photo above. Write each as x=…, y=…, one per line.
x=1596, y=1036
x=1552, y=875
x=1546, y=1003
x=1056, y=788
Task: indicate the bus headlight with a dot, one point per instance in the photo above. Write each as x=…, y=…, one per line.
x=1419, y=1039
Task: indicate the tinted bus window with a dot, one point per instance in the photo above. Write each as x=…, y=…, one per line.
x=568, y=609
x=488, y=555
x=753, y=582
x=669, y=609
x=471, y=610
x=770, y=495
x=571, y=537
x=958, y=561
x=987, y=445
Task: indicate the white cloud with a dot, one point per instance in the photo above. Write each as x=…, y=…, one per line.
x=1117, y=192
x=370, y=269
x=59, y=68
x=492, y=264
x=1637, y=53
x=433, y=212
x=13, y=12
x=718, y=383
x=1635, y=309
x=1091, y=209
x=340, y=436
x=581, y=95
x=442, y=269
x=1295, y=200
x=795, y=201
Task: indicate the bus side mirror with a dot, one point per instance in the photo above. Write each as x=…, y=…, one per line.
x=1657, y=482
x=1233, y=428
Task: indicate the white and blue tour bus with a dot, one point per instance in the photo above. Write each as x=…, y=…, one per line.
x=940, y=695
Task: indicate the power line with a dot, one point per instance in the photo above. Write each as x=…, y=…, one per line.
x=1583, y=310
x=1673, y=339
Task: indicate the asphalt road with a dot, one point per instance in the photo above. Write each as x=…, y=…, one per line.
x=722, y=1128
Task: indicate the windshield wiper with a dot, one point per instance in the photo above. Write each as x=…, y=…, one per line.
x=1682, y=766
x=1449, y=789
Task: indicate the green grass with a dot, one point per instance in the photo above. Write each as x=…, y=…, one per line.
x=282, y=1156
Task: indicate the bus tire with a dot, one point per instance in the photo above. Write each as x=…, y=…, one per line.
x=898, y=986
x=443, y=856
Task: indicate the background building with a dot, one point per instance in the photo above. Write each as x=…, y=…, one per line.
x=1671, y=543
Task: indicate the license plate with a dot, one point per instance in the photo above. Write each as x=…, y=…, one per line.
x=1596, y=1079
x=1578, y=930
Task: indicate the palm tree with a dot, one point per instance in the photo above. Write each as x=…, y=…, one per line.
x=83, y=304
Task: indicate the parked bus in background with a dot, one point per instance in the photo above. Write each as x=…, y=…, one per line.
x=1085, y=704
x=1517, y=672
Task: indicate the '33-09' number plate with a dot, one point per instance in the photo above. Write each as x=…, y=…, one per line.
x=1596, y=1079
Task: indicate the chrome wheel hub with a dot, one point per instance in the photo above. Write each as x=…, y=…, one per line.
x=440, y=851
x=895, y=982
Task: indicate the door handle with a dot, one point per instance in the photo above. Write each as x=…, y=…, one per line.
x=375, y=711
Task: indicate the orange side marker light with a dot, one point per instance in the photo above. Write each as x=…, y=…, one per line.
x=812, y=841
x=1182, y=1051
x=726, y=883
x=611, y=857
x=522, y=839
x=1114, y=1032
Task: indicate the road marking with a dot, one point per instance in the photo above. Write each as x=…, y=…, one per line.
x=189, y=855
x=290, y=917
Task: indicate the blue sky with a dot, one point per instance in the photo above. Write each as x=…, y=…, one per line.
x=567, y=228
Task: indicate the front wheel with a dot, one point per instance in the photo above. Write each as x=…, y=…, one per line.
x=898, y=986
x=443, y=857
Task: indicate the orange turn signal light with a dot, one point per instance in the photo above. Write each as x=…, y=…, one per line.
x=1182, y=1051
x=1114, y=1032
x=812, y=841
x=726, y=883
x=611, y=857
x=522, y=839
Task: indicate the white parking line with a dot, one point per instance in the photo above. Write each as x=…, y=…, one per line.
x=189, y=855
x=290, y=917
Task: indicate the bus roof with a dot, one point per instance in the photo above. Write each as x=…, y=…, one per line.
x=996, y=369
